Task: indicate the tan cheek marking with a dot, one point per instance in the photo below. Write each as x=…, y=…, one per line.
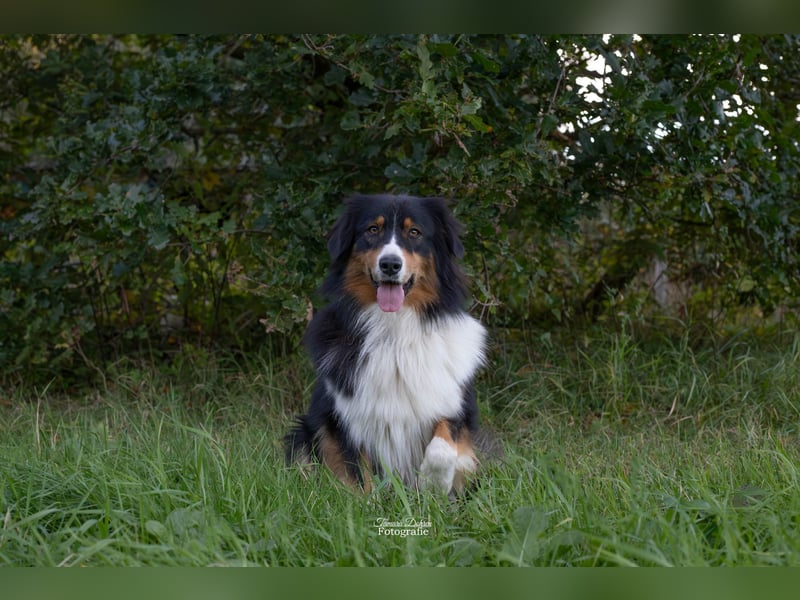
x=357, y=281
x=426, y=285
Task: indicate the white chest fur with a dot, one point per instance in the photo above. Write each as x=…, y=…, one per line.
x=411, y=374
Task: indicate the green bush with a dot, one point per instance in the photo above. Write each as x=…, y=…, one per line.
x=172, y=192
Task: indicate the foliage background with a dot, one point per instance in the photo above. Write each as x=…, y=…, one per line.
x=168, y=195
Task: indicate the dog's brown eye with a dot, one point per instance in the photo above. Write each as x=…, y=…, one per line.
x=372, y=229
x=414, y=232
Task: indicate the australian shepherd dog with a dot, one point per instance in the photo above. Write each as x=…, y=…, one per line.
x=395, y=352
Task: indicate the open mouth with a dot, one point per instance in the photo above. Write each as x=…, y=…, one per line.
x=391, y=294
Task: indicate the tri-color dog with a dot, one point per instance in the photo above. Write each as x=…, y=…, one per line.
x=395, y=352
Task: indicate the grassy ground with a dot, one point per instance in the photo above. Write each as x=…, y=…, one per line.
x=618, y=452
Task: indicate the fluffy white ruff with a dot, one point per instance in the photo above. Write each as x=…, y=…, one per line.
x=411, y=374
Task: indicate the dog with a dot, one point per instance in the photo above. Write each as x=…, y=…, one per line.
x=395, y=352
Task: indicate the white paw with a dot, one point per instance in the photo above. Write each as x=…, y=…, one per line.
x=467, y=463
x=439, y=465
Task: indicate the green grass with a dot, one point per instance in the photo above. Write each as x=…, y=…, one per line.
x=617, y=452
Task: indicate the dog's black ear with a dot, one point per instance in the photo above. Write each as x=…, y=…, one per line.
x=340, y=239
x=454, y=230
x=342, y=235
x=450, y=227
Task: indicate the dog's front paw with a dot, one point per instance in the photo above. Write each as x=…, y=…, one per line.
x=438, y=468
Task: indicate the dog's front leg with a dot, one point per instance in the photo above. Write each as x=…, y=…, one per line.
x=449, y=458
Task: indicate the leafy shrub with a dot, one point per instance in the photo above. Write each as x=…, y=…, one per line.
x=165, y=191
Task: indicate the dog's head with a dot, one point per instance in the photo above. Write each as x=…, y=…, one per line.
x=398, y=251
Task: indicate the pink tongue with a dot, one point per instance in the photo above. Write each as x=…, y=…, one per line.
x=390, y=297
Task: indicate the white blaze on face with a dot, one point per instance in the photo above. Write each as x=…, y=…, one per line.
x=390, y=295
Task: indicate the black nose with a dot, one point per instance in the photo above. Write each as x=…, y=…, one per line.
x=390, y=265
